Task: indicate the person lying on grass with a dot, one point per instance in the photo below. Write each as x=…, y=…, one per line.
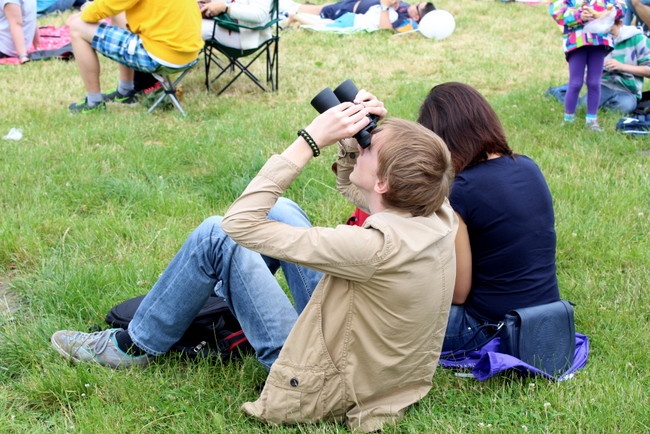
x=392, y=14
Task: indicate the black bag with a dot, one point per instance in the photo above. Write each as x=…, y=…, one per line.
x=634, y=124
x=215, y=332
x=542, y=336
x=62, y=53
x=143, y=80
x=637, y=123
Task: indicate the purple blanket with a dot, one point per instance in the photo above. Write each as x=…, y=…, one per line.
x=487, y=362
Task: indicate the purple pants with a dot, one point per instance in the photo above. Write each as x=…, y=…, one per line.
x=591, y=58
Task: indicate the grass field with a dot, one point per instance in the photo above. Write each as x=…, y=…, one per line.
x=93, y=207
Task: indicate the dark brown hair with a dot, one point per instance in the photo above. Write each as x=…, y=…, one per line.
x=416, y=165
x=466, y=122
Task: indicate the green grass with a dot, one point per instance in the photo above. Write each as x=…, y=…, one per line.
x=92, y=208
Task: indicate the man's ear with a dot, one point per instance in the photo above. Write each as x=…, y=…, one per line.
x=381, y=186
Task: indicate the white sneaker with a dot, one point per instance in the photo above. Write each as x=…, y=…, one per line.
x=593, y=126
x=98, y=347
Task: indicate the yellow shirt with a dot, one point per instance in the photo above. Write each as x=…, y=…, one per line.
x=170, y=29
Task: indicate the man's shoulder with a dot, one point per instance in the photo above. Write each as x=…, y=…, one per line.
x=630, y=35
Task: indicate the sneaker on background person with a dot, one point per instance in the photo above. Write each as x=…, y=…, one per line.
x=593, y=126
x=86, y=106
x=129, y=97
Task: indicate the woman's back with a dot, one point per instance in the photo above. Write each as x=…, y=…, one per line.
x=507, y=207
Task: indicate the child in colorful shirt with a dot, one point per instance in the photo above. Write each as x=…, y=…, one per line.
x=625, y=68
x=584, y=51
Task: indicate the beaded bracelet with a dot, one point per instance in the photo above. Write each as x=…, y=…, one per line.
x=310, y=141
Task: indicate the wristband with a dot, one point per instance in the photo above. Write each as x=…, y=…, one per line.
x=310, y=141
x=383, y=8
x=23, y=56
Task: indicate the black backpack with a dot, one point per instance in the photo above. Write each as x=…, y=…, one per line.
x=634, y=124
x=637, y=123
x=215, y=332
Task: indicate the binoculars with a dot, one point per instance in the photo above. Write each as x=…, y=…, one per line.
x=346, y=91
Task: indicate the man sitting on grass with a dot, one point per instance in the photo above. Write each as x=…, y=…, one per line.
x=145, y=36
x=367, y=343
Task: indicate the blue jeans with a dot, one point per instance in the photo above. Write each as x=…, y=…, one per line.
x=62, y=6
x=610, y=99
x=210, y=261
x=617, y=100
x=464, y=332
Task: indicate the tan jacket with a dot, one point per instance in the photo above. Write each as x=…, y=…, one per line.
x=367, y=344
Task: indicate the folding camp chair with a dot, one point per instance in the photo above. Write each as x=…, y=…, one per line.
x=240, y=60
x=165, y=75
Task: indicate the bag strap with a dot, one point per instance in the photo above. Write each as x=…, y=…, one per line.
x=461, y=350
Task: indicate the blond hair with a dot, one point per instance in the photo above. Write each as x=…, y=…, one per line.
x=416, y=166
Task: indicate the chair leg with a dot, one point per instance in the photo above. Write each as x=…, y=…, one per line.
x=272, y=66
x=237, y=67
x=169, y=91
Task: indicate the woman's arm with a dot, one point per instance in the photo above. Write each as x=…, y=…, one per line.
x=384, y=16
x=15, y=19
x=255, y=12
x=463, y=264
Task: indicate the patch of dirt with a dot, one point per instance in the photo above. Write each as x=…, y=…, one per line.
x=8, y=299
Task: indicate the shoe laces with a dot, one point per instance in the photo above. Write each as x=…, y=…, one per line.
x=98, y=341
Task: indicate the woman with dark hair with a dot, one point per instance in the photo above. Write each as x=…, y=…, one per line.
x=505, y=246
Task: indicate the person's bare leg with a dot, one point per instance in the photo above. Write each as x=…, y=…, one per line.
x=305, y=19
x=81, y=36
x=311, y=9
x=642, y=11
x=125, y=73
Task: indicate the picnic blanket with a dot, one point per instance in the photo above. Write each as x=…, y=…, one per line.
x=487, y=361
x=352, y=23
x=345, y=24
x=55, y=43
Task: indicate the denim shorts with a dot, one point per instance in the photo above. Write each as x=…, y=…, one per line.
x=123, y=46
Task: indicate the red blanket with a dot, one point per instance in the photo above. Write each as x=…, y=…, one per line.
x=55, y=43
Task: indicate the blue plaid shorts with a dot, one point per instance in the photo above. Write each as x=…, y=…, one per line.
x=123, y=46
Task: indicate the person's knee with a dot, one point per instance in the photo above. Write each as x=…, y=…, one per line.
x=209, y=234
x=287, y=211
x=210, y=224
x=284, y=205
x=627, y=105
x=80, y=29
x=622, y=105
x=575, y=83
x=74, y=21
x=593, y=84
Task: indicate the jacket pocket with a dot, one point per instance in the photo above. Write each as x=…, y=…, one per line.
x=294, y=394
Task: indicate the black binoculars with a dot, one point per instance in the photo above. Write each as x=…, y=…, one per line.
x=346, y=91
